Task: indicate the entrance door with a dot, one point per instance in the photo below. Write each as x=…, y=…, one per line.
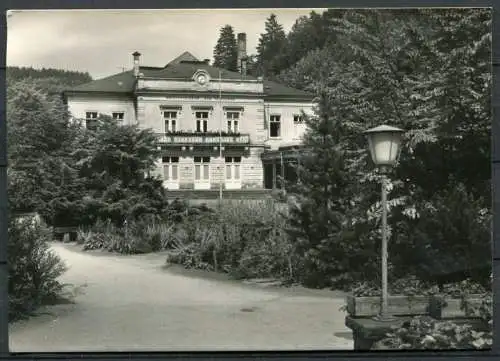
x=201, y=172
x=233, y=172
x=171, y=172
x=268, y=175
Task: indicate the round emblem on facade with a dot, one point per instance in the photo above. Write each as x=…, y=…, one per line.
x=201, y=79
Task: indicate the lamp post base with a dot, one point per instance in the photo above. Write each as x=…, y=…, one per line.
x=384, y=318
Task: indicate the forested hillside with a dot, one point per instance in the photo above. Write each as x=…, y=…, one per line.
x=51, y=80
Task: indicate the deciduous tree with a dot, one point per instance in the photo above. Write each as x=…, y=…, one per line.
x=399, y=68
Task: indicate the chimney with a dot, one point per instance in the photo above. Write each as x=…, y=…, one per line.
x=243, y=70
x=136, y=56
x=242, y=53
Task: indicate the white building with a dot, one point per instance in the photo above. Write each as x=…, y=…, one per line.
x=188, y=103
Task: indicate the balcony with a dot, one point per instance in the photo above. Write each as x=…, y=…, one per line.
x=209, y=139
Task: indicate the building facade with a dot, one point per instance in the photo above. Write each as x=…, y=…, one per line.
x=217, y=129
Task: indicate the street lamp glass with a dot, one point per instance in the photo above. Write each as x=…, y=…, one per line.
x=384, y=143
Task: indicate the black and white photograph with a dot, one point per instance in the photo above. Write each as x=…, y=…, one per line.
x=272, y=179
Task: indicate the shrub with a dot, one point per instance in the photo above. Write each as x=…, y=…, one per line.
x=412, y=286
x=147, y=234
x=156, y=233
x=269, y=256
x=243, y=239
x=83, y=236
x=409, y=286
x=159, y=236
x=189, y=257
x=195, y=240
x=33, y=268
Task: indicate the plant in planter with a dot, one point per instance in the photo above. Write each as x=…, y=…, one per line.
x=457, y=300
x=469, y=323
x=426, y=333
x=454, y=299
x=408, y=296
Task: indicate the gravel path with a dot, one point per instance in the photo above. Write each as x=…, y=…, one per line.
x=131, y=303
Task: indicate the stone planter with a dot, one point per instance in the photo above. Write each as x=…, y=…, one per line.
x=367, y=331
x=445, y=307
x=398, y=305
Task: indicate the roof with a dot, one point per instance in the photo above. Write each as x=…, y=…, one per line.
x=118, y=83
x=185, y=56
x=273, y=89
x=186, y=69
x=182, y=68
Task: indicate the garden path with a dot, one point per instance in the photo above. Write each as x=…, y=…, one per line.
x=132, y=303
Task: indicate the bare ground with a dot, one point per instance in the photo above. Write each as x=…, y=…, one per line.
x=134, y=303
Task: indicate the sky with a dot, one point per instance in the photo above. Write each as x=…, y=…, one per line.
x=101, y=42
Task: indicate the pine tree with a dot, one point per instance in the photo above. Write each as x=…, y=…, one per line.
x=270, y=48
x=226, y=50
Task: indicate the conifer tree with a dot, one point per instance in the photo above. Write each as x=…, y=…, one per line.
x=318, y=212
x=226, y=50
x=270, y=48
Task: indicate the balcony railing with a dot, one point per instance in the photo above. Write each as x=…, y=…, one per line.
x=211, y=138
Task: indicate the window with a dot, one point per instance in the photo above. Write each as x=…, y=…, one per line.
x=298, y=119
x=233, y=168
x=201, y=168
x=232, y=121
x=91, y=120
x=120, y=116
x=201, y=122
x=170, y=168
x=170, y=121
x=275, y=126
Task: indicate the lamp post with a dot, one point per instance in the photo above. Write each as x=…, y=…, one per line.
x=384, y=143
